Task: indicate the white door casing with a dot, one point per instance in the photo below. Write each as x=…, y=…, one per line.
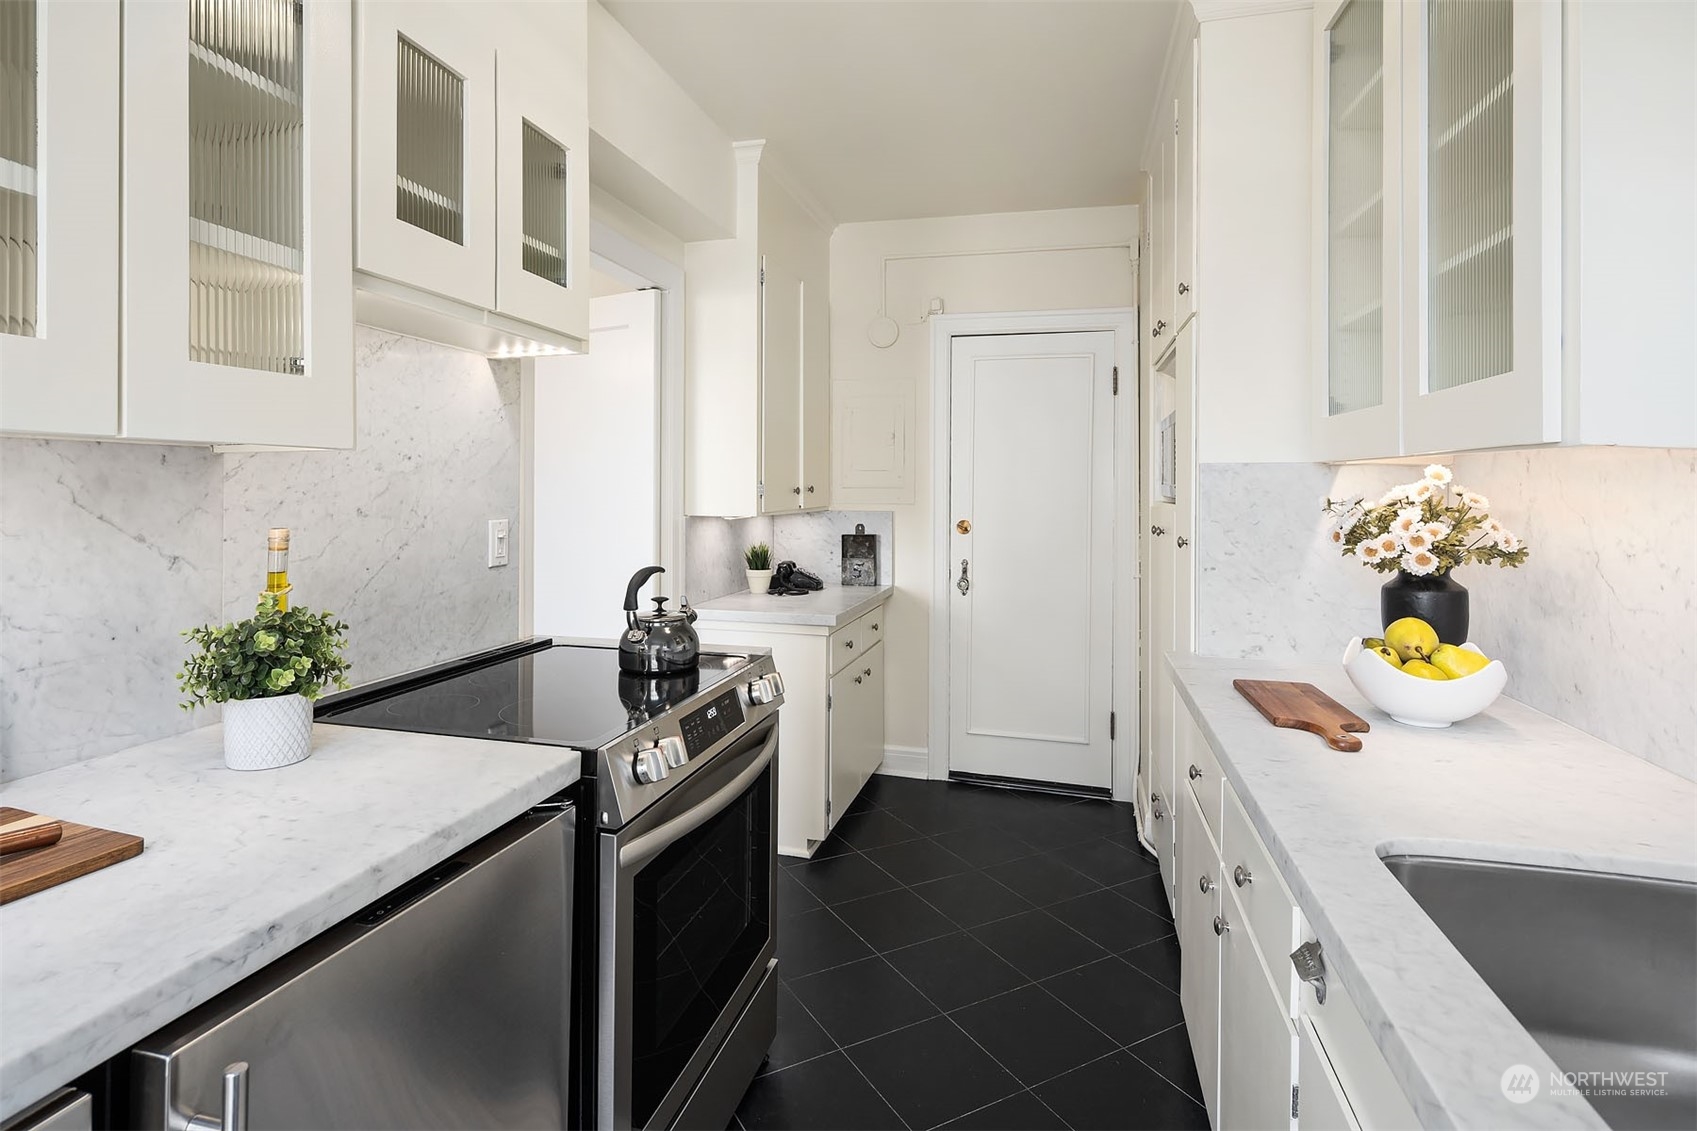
x=1032, y=472
x=596, y=467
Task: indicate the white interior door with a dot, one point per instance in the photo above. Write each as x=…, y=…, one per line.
x=596, y=492
x=1031, y=480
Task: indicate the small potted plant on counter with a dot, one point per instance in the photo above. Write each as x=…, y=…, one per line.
x=758, y=558
x=266, y=671
x=1422, y=532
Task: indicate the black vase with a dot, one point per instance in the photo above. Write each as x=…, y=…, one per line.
x=1438, y=599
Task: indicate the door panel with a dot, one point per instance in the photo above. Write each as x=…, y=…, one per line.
x=592, y=412
x=1199, y=964
x=815, y=400
x=780, y=388
x=1030, y=637
x=1257, y=1044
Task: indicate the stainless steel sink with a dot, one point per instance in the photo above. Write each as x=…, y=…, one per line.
x=1601, y=969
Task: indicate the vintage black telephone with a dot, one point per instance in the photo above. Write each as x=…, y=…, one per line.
x=790, y=580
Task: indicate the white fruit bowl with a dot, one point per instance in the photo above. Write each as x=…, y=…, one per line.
x=1422, y=702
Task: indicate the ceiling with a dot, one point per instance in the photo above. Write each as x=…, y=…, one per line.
x=893, y=109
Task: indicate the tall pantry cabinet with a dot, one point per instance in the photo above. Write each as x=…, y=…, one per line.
x=183, y=277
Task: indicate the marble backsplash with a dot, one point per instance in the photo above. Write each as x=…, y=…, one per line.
x=108, y=551
x=713, y=547
x=1598, y=629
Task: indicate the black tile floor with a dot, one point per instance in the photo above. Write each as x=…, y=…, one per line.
x=959, y=956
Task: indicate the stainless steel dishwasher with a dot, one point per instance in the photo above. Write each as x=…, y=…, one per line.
x=443, y=1005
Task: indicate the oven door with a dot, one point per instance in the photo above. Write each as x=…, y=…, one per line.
x=686, y=931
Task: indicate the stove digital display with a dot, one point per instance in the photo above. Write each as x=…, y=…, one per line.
x=704, y=726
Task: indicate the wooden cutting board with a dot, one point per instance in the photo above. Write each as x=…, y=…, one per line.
x=81, y=850
x=1302, y=706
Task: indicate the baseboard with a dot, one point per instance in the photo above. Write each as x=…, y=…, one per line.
x=906, y=762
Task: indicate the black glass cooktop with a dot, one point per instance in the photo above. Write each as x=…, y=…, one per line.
x=560, y=694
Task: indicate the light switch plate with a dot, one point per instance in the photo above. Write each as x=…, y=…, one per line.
x=498, y=542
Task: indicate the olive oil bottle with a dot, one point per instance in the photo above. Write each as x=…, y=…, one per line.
x=277, y=565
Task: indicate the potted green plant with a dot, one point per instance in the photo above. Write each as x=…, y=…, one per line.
x=758, y=558
x=266, y=671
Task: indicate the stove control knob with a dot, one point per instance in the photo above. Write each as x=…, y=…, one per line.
x=762, y=691
x=777, y=683
x=649, y=765
x=672, y=748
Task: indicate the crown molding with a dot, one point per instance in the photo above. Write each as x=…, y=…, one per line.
x=756, y=153
x=1207, y=10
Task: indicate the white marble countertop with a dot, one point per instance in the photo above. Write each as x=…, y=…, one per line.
x=830, y=607
x=1511, y=784
x=239, y=869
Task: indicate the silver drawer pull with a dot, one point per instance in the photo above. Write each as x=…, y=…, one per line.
x=235, y=1104
x=1206, y=885
x=1194, y=772
x=1241, y=876
x=1220, y=925
x=1311, y=968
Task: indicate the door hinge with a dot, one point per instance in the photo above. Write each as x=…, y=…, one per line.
x=760, y=488
x=1116, y=380
x=1294, y=1088
x=830, y=701
x=827, y=810
x=1113, y=724
x=763, y=276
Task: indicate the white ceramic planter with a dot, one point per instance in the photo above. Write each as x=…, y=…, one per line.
x=263, y=734
x=759, y=580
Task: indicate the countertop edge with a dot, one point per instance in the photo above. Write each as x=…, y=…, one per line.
x=90, y=1042
x=733, y=608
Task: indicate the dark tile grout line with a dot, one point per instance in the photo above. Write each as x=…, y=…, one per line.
x=883, y=956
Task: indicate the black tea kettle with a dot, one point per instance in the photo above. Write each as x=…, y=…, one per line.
x=657, y=643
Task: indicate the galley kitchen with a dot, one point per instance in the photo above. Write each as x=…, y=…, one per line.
x=782, y=566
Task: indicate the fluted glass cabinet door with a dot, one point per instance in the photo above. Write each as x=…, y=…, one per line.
x=542, y=178
x=237, y=132
x=247, y=128
x=427, y=145
x=1357, y=70
x=59, y=107
x=1484, y=137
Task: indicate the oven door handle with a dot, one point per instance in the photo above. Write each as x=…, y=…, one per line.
x=650, y=844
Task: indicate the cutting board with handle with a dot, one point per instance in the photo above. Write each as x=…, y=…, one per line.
x=1302, y=706
x=79, y=850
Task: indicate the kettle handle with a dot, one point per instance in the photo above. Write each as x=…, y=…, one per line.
x=637, y=581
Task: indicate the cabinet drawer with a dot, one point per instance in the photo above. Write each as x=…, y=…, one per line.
x=1197, y=765
x=1375, y=1098
x=1268, y=909
x=868, y=629
x=844, y=647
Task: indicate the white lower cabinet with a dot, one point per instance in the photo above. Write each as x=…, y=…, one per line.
x=1198, y=867
x=1268, y=1053
x=832, y=729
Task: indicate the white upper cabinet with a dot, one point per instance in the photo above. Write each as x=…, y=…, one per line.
x=1482, y=223
x=780, y=386
x=1171, y=206
x=59, y=100
x=1495, y=185
x=236, y=128
x=1184, y=187
x=183, y=276
x=1357, y=277
x=472, y=143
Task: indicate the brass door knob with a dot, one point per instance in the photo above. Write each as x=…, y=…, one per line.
x=963, y=527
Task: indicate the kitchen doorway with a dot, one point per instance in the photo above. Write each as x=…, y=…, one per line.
x=1035, y=596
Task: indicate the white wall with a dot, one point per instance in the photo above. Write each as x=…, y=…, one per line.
x=650, y=144
x=1254, y=124
x=925, y=259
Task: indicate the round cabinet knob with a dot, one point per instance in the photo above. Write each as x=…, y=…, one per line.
x=1241, y=876
x=859, y=678
x=672, y=748
x=1157, y=531
x=867, y=673
x=848, y=644
x=1184, y=288
x=1194, y=772
x=810, y=490
x=1183, y=541
x=1220, y=925
x=796, y=490
x=1205, y=885
x=649, y=765
x=874, y=626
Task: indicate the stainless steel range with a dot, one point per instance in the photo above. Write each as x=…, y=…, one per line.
x=678, y=952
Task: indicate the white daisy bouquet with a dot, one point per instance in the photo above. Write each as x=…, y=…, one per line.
x=1430, y=526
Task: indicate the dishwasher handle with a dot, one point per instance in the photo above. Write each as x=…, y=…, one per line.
x=235, y=1104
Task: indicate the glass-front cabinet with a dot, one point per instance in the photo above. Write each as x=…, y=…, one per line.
x=59, y=112
x=1482, y=224
x=1357, y=282
x=473, y=135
